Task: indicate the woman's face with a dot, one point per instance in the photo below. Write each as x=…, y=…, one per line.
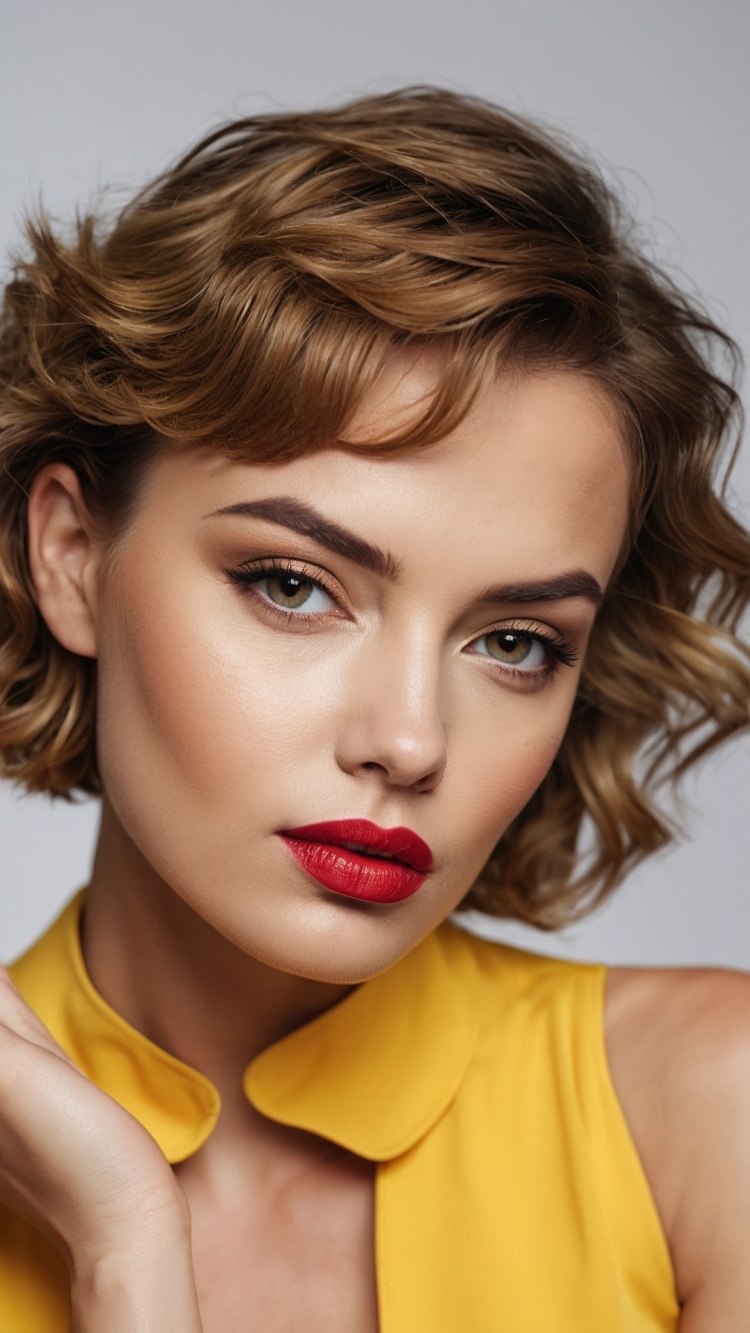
x=352, y=637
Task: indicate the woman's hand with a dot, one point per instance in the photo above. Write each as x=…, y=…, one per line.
x=81, y=1169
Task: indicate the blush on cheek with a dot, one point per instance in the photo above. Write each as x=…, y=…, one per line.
x=520, y=766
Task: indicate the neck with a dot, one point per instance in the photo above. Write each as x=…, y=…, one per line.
x=175, y=978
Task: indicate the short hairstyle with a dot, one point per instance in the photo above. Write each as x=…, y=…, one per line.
x=248, y=299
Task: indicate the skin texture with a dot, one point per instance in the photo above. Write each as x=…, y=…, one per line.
x=679, y=1053
x=83, y=1171
x=223, y=721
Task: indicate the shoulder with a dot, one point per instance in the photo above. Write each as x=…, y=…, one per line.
x=668, y=1029
x=678, y=1042
x=680, y=1020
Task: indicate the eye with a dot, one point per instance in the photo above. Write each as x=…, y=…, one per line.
x=285, y=588
x=293, y=592
x=514, y=648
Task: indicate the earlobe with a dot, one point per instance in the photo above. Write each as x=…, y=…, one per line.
x=63, y=558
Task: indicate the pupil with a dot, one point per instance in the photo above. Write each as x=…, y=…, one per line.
x=510, y=646
x=289, y=589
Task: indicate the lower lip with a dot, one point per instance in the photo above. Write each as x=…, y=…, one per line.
x=368, y=878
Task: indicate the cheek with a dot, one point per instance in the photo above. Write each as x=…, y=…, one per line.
x=502, y=761
x=196, y=712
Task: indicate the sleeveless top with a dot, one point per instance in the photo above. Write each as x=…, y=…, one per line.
x=509, y=1195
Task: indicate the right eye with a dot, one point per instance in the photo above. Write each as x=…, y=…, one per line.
x=285, y=588
x=292, y=592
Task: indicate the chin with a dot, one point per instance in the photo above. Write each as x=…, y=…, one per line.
x=336, y=940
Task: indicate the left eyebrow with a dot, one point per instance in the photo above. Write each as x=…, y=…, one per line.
x=308, y=522
x=577, y=583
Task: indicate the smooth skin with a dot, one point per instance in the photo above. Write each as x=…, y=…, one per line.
x=227, y=715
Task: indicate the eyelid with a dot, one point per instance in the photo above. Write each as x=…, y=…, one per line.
x=254, y=570
x=560, y=648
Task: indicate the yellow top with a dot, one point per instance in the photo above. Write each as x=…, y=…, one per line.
x=509, y=1194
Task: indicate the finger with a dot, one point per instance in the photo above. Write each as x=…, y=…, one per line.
x=18, y=1018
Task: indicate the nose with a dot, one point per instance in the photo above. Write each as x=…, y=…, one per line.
x=392, y=722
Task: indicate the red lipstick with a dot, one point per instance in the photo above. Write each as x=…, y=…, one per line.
x=361, y=860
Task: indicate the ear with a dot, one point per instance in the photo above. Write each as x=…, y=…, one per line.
x=63, y=558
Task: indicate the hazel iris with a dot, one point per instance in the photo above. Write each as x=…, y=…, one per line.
x=288, y=589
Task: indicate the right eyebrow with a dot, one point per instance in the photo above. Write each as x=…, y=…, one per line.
x=309, y=522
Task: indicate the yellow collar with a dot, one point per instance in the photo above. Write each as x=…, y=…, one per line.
x=373, y=1074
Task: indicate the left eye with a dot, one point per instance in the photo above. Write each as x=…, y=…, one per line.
x=513, y=648
x=294, y=592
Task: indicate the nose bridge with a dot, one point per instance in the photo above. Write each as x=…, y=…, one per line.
x=396, y=722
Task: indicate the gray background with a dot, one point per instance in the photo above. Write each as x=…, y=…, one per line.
x=104, y=93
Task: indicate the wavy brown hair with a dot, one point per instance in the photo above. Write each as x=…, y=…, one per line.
x=250, y=297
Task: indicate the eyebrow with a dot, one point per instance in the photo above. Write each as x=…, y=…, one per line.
x=308, y=522
x=578, y=583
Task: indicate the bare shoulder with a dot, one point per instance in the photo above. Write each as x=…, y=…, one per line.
x=678, y=1013
x=678, y=1042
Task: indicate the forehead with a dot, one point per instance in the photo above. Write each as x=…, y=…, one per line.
x=536, y=476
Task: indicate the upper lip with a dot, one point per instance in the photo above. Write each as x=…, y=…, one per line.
x=401, y=843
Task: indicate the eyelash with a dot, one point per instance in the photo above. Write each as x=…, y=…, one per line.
x=560, y=651
x=251, y=572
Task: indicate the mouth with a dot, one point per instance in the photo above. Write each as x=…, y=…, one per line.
x=359, y=859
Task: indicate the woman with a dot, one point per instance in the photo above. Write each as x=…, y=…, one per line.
x=360, y=538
